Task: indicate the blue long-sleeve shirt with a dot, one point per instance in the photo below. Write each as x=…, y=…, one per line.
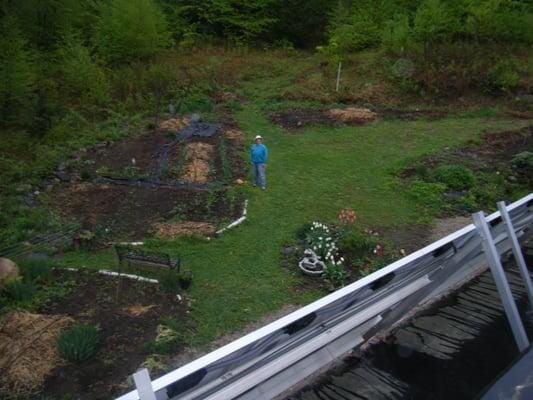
x=259, y=154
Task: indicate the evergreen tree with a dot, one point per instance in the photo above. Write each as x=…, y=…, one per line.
x=17, y=73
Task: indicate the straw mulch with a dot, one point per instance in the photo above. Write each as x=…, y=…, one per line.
x=174, y=124
x=352, y=114
x=28, y=351
x=171, y=230
x=198, y=168
x=234, y=134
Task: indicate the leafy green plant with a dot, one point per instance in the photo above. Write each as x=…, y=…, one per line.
x=165, y=171
x=335, y=274
x=226, y=167
x=427, y=194
x=78, y=343
x=503, y=75
x=19, y=291
x=455, y=177
x=356, y=244
x=523, y=162
x=35, y=271
x=86, y=175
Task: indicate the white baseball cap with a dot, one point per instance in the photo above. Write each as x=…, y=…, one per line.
x=258, y=137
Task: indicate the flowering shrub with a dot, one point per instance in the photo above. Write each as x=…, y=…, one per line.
x=347, y=216
x=323, y=243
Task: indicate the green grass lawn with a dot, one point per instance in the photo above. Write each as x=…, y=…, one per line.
x=311, y=175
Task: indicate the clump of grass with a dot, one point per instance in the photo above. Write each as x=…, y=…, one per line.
x=78, y=343
x=20, y=291
x=169, y=282
x=455, y=177
x=35, y=271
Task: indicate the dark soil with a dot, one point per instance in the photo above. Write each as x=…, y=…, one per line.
x=124, y=334
x=125, y=199
x=130, y=212
x=118, y=155
x=296, y=119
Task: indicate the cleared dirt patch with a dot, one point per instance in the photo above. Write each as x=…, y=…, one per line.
x=28, y=351
x=128, y=323
x=171, y=230
x=198, y=168
x=295, y=119
x=127, y=153
x=126, y=211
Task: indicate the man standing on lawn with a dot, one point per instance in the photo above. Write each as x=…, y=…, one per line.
x=259, y=157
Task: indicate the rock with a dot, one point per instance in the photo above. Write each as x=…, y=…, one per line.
x=454, y=195
x=49, y=188
x=8, y=269
x=62, y=176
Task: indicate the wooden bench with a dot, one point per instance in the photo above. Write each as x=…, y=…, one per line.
x=138, y=255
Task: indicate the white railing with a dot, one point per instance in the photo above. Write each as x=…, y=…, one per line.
x=267, y=361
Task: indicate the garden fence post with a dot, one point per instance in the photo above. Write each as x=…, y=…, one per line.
x=506, y=296
x=143, y=384
x=517, y=251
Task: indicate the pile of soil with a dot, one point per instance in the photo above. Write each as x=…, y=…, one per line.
x=198, y=168
x=28, y=351
x=171, y=230
x=295, y=119
x=127, y=322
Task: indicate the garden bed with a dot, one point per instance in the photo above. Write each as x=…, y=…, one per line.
x=346, y=252
x=133, y=212
x=295, y=119
x=129, y=317
x=461, y=181
x=127, y=189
